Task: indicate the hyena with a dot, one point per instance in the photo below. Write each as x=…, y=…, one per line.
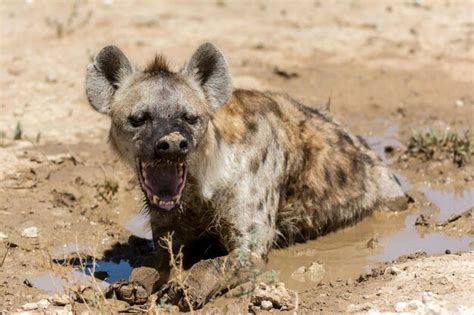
x=243, y=169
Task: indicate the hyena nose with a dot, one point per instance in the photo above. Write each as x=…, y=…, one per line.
x=173, y=145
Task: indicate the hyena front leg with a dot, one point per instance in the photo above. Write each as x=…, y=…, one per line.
x=208, y=278
x=253, y=230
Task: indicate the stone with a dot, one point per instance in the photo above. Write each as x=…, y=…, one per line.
x=459, y=103
x=30, y=306
x=51, y=77
x=3, y=236
x=266, y=305
x=315, y=273
x=280, y=297
x=393, y=270
x=43, y=304
x=60, y=300
x=31, y=232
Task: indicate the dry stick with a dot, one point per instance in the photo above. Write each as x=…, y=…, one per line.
x=176, y=262
x=95, y=285
x=5, y=256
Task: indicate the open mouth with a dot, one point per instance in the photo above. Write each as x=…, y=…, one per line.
x=162, y=182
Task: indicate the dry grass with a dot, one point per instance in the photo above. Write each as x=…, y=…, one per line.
x=18, y=134
x=447, y=144
x=74, y=21
x=176, y=263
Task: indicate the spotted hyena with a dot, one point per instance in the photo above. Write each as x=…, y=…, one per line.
x=241, y=169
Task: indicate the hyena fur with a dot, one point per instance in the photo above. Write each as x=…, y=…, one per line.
x=246, y=169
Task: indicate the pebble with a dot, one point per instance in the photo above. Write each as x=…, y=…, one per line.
x=315, y=273
x=51, y=77
x=393, y=270
x=459, y=103
x=60, y=300
x=3, y=236
x=43, y=304
x=29, y=306
x=31, y=232
x=280, y=297
x=266, y=305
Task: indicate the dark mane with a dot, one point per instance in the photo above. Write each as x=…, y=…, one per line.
x=157, y=65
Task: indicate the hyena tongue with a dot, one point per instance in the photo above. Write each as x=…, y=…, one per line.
x=164, y=179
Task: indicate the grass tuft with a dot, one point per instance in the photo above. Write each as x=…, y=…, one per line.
x=18, y=135
x=454, y=145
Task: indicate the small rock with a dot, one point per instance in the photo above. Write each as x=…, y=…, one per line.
x=3, y=236
x=31, y=232
x=51, y=77
x=401, y=306
x=459, y=103
x=64, y=311
x=130, y=292
x=447, y=252
x=314, y=273
x=43, y=304
x=29, y=306
x=393, y=270
x=373, y=243
x=423, y=220
x=278, y=295
x=60, y=300
x=266, y=305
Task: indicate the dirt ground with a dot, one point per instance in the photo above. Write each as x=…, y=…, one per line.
x=388, y=68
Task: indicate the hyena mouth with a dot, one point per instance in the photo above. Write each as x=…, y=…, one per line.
x=162, y=182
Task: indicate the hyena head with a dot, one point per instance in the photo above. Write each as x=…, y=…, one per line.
x=158, y=117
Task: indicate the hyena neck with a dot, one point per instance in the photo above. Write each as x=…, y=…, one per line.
x=204, y=163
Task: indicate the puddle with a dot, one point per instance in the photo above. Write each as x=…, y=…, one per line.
x=53, y=283
x=450, y=202
x=379, y=143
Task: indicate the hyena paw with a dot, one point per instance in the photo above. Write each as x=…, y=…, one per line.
x=130, y=292
x=186, y=298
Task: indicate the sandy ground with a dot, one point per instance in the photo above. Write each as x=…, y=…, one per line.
x=388, y=67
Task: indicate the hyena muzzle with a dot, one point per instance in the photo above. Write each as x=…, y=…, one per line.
x=242, y=169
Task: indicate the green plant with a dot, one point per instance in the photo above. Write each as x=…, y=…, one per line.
x=430, y=144
x=18, y=134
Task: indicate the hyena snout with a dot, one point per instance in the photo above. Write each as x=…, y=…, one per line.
x=172, y=146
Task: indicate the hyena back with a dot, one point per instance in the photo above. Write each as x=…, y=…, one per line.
x=247, y=169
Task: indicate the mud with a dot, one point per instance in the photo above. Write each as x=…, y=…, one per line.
x=384, y=79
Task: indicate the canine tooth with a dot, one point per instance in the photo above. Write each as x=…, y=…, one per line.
x=156, y=199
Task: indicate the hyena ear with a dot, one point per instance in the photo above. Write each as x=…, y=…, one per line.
x=209, y=67
x=103, y=77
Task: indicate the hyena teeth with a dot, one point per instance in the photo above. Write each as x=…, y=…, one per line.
x=156, y=200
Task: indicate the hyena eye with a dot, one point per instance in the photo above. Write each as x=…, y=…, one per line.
x=190, y=119
x=138, y=119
